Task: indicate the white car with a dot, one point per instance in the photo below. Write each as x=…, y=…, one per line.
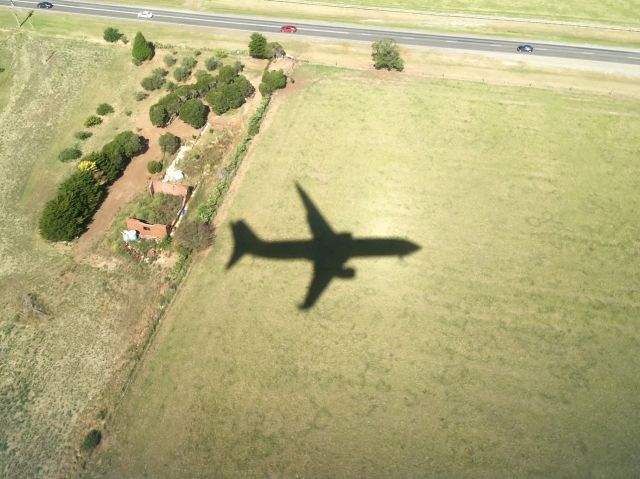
x=145, y=14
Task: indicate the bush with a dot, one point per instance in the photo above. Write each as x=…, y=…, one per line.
x=153, y=82
x=104, y=109
x=142, y=49
x=136, y=62
x=194, y=113
x=82, y=135
x=112, y=35
x=275, y=50
x=220, y=53
x=197, y=53
x=181, y=74
x=92, y=121
x=193, y=236
x=170, y=86
x=91, y=440
x=140, y=95
x=160, y=72
x=154, y=167
x=199, y=74
x=211, y=63
x=226, y=74
x=169, y=143
x=169, y=60
x=226, y=97
x=386, y=54
x=271, y=81
x=66, y=215
x=69, y=154
x=189, y=63
x=258, y=46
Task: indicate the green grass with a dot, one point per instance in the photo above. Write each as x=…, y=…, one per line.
x=506, y=347
x=53, y=368
x=607, y=11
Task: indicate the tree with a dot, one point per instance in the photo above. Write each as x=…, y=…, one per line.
x=194, y=113
x=193, y=236
x=66, y=215
x=142, y=49
x=271, y=81
x=181, y=73
x=153, y=82
x=112, y=35
x=154, y=167
x=104, y=109
x=226, y=74
x=275, y=50
x=386, y=54
x=169, y=143
x=158, y=115
x=227, y=96
x=258, y=46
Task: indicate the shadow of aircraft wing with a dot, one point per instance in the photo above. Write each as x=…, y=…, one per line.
x=321, y=279
x=318, y=225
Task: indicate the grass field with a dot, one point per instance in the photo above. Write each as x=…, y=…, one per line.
x=53, y=369
x=506, y=347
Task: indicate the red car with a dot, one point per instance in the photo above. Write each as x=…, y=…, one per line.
x=289, y=29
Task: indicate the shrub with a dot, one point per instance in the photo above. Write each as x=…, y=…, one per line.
x=69, y=154
x=169, y=60
x=170, y=86
x=220, y=53
x=92, y=121
x=194, y=113
x=228, y=96
x=66, y=215
x=199, y=74
x=226, y=74
x=112, y=35
x=140, y=95
x=169, y=143
x=104, y=109
x=153, y=82
x=211, y=63
x=386, y=54
x=136, y=62
x=275, y=50
x=158, y=115
x=154, y=167
x=142, y=49
x=258, y=46
x=160, y=72
x=82, y=135
x=189, y=63
x=193, y=236
x=197, y=53
x=181, y=73
x=91, y=440
x=271, y=81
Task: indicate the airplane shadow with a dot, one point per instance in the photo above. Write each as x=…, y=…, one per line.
x=329, y=251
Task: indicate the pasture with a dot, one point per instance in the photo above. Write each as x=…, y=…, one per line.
x=505, y=347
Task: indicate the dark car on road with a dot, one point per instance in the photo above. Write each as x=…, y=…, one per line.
x=45, y=5
x=525, y=49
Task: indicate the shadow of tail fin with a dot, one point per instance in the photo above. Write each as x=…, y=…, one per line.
x=245, y=241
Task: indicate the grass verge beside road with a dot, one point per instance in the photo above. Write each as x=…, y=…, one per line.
x=508, y=343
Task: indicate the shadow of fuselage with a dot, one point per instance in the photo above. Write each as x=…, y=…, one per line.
x=327, y=250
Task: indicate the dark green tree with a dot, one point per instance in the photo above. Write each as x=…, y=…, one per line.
x=271, y=81
x=142, y=49
x=194, y=113
x=211, y=63
x=154, y=167
x=386, y=54
x=258, y=46
x=169, y=143
x=158, y=115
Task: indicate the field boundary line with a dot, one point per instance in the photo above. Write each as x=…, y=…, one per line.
x=464, y=15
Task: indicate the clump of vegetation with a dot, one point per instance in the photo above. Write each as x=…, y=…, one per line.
x=155, y=81
x=181, y=74
x=169, y=60
x=197, y=53
x=69, y=154
x=189, y=63
x=220, y=53
x=194, y=112
x=93, y=120
x=386, y=54
x=157, y=209
x=170, y=86
x=141, y=95
x=104, y=109
x=211, y=63
x=115, y=155
x=229, y=96
x=199, y=74
x=193, y=236
x=142, y=49
x=112, y=35
x=271, y=81
x=82, y=135
x=91, y=440
x=154, y=167
x=169, y=143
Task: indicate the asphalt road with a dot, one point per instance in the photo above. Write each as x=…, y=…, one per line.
x=335, y=31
